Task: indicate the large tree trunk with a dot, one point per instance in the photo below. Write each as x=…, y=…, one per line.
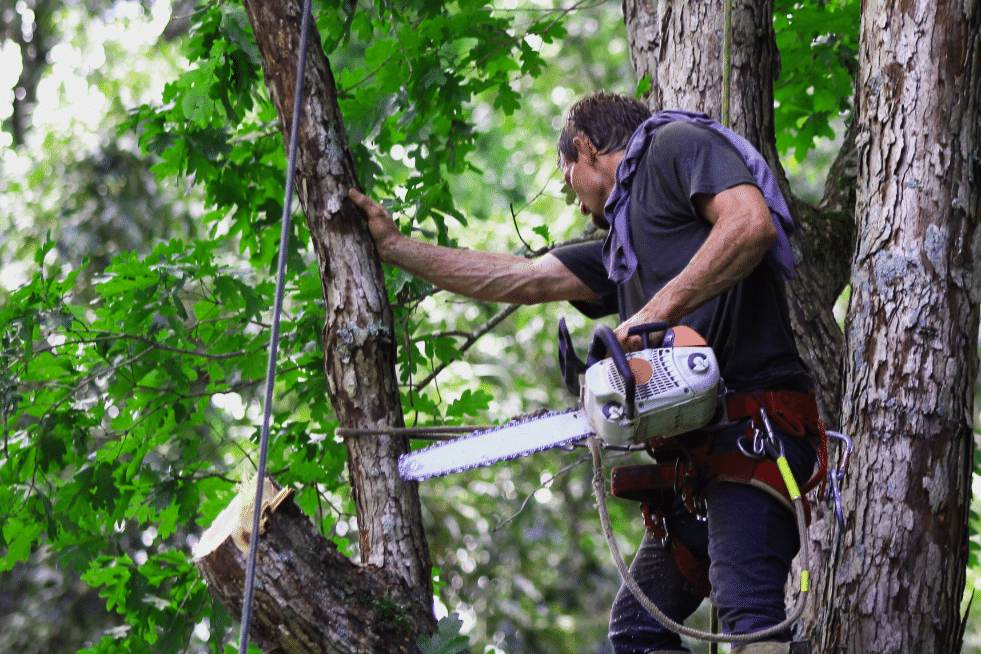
x=911, y=361
x=358, y=344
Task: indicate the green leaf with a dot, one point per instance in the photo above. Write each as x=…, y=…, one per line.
x=542, y=230
x=167, y=521
x=470, y=403
x=19, y=538
x=644, y=86
x=447, y=639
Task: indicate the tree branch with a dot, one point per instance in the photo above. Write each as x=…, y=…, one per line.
x=493, y=322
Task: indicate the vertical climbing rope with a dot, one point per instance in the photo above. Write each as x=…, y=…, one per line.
x=284, y=237
x=727, y=121
x=726, y=61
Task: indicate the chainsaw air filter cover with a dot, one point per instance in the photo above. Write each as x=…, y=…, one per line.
x=676, y=392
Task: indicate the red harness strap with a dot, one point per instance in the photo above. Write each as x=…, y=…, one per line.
x=655, y=487
x=795, y=413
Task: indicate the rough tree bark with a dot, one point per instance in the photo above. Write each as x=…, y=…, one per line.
x=913, y=319
x=911, y=360
x=310, y=598
x=358, y=346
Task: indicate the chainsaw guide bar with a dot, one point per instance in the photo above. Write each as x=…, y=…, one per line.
x=513, y=440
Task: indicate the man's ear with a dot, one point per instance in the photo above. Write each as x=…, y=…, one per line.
x=587, y=151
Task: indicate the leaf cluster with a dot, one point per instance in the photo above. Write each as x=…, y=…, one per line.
x=818, y=45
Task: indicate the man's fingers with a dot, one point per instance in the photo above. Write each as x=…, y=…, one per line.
x=359, y=198
x=367, y=205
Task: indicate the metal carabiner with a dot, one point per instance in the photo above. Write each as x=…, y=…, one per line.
x=755, y=449
x=772, y=444
x=837, y=475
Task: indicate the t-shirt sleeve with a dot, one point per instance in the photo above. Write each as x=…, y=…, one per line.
x=702, y=160
x=585, y=261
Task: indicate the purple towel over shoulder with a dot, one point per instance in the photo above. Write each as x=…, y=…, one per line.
x=618, y=253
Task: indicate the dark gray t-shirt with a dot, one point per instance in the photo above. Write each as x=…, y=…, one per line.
x=747, y=325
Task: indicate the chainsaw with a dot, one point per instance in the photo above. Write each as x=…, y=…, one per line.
x=625, y=398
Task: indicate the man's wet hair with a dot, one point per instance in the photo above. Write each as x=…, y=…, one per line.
x=608, y=119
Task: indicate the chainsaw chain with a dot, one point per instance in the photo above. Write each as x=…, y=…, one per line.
x=520, y=420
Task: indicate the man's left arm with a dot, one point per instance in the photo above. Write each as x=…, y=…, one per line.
x=742, y=232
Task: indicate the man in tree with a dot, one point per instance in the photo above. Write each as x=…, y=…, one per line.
x=697, y=236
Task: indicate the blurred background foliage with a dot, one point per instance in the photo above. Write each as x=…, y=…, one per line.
x=141, y=168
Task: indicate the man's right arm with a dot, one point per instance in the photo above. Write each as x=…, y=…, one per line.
x=479, y=275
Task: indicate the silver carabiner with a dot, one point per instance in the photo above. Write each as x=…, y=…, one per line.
x=837, y=475
x=772, y=444
x=755, y=449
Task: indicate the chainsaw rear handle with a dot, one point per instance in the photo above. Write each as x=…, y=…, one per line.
x=605, y=343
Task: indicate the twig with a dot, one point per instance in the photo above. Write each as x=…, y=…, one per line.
x=108, y=336
x=582, y=459
x=514, y=219
x=567, y=10
x=540, y=193
x=450, y=332
x=495, y=320
x=586, y=238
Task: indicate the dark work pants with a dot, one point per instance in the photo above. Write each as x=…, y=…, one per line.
x=750, y=538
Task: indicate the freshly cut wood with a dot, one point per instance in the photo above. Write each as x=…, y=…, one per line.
x=309, y=597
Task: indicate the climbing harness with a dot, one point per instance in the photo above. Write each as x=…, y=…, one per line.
x=284, y=236
x=599, y=487
x=762, y=463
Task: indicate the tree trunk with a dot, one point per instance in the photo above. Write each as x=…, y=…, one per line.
x=911, y=359
x=310, y=599
x=358, y=343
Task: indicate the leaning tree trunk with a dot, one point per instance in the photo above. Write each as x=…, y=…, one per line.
x=911, y=359
x=359, y=356
x=679, y=45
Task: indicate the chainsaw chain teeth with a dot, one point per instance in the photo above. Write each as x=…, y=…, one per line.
x=527, y=418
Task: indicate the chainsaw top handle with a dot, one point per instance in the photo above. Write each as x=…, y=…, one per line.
x=605, y=343
x=645, y=330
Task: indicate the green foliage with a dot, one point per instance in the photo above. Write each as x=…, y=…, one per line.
x=447, y=639
x=116, y=445
x=818, y=44
x=110, y=432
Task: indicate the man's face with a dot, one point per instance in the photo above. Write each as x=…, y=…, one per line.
x=591, y=183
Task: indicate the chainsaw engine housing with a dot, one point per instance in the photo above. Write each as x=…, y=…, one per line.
x=676, y=392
